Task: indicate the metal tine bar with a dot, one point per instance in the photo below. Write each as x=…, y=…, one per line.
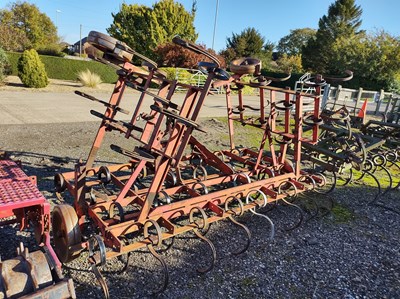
x=119, y=122
x=92, y=98
x=156, y=97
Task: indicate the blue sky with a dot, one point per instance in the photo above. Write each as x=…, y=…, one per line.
x=273, y=19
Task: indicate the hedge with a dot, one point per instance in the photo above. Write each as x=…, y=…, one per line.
x=67, y=69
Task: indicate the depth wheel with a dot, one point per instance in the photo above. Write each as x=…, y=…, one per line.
x=66, y=232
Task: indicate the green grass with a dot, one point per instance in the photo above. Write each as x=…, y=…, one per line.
x=248, y=136
x=342, y=214
x=67, y=69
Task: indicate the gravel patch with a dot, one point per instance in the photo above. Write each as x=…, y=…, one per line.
x=352, y=252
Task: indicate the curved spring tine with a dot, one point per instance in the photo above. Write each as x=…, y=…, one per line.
x=101, y=281
x=390, y=179
x=125, y=260
x=203, y=225
x=379, y=187
x=347, y=180
x=248, y=233
x=272, y=233
x=314, y=207
x=301, y=215
x=334, y=183
x=398, y=168
x=168, y=246
x=213, y=250
x=165, y=269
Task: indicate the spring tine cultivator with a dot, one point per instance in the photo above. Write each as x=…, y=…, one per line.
x=352, y=153
x=172, y=183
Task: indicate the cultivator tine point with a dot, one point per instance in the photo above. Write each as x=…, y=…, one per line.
x=260, y=204
x=156, y=241
x=203, y=226
x=248, y=236
x=98, y=259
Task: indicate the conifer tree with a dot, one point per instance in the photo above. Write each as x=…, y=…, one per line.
x=31, y=70
x=342, y=21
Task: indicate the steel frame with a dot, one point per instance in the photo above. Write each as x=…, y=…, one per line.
x=167, y=152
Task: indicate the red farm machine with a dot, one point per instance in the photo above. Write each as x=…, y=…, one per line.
x=171, y=183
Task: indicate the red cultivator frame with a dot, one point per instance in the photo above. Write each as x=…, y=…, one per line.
x=171, y=183
x=31, y=274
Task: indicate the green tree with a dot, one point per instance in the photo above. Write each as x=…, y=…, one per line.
x=374, y=58
x=248, y=43
x=32, y=28
x=289, y=63
x=11, y=38
x=144, y=28
x=170, y=19
x=31, y=70
x=4, y=64
x=343, y=21
x=293, y=43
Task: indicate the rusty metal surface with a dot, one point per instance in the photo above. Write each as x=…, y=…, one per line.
x=25, y=274
x=29, y=275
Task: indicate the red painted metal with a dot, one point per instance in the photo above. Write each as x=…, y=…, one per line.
x=21, y=202
x=177, y=184
x=17, y=190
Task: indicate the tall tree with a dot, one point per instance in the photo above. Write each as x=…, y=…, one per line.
x=374, y=58
x=343, y=21
x=131, y=25
x=248, y=43
x=30, y=27
x=293, y=43
x=144, y=28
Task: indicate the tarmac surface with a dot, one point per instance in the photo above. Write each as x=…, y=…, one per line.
x=26, y=107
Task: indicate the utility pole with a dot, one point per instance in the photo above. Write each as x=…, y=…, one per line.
x=215, y=24
x=80, y=41
x=57, y=12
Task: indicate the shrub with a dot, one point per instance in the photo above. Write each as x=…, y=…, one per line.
x=4, y=65
x=31, y=70
x=67, y=69
x=89, y=79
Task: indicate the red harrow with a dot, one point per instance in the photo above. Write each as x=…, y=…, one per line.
x=172, y=183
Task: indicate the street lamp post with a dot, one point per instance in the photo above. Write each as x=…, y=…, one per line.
x=215, y=24
x=57, y=12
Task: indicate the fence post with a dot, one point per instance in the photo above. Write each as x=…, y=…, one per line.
x=359, y=94
x=325, y=96
x=337, y=96
x=389, y=103
x=380, y=100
